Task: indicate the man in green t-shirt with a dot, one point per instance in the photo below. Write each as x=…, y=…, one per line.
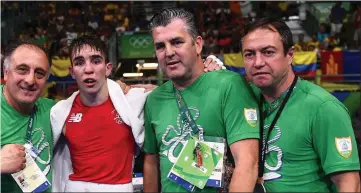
x=218, y=102
x=26, y=70
x=311, y=146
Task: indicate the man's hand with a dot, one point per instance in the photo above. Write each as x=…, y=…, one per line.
x=212, y=63
x=124, y=86
x=12, y=158
x=147, y=87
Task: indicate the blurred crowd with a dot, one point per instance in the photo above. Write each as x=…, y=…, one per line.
x=222, y=23
x=54, y=24
x=57, y=23
x=335, y=35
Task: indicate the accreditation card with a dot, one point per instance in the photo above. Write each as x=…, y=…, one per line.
x=189, y=171
x=31, y=178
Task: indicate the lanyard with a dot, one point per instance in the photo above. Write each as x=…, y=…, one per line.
x=186, y=115
x=30, y=127
x=264, y=138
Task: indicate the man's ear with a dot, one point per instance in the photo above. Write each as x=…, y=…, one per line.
x=6, y=72
x=199, y=44
x=108, y=68
x=290, y=54
x=71, y=71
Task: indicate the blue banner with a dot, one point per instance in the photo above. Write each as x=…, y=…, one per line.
x=351, y=64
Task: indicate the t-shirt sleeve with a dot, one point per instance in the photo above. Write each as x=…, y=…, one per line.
x=240, y=111
x=150, y=140
x=334, y=139
x=52, y=102
x=45, y=103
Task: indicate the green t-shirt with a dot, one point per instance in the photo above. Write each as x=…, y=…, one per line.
x=217, y=101
x=13, y=131
x=305, y=145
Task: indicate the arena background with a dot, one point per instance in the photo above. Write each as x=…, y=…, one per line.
x=331, y=60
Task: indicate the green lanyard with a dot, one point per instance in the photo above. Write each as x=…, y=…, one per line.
x=186, y=116
x=30, y=127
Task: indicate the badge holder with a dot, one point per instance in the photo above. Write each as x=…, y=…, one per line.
x=31, y=178
x=216, y=180
x=198, y=151
x=195, y=164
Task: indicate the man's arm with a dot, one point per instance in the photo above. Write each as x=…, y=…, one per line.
x=124, y=86
x=211, y=63
x=331, y=130
x=240, y=108
x=151, y=157
x=151, y=173
x=246, y=161
x=347, y=181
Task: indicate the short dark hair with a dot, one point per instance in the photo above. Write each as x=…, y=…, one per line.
x=273, y=24
x=93, y=41
x=14, y=45
x=166, y=16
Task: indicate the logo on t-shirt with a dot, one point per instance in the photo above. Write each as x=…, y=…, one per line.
x=251, y=116
x=75, y=117
x=274, y=155
x=118, y=119
x=43, y=147
x=174, y=137
x=344, y=146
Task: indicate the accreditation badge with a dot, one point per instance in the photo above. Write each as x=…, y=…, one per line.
x=195, y=165
x=31, y=178
x=217, y=178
